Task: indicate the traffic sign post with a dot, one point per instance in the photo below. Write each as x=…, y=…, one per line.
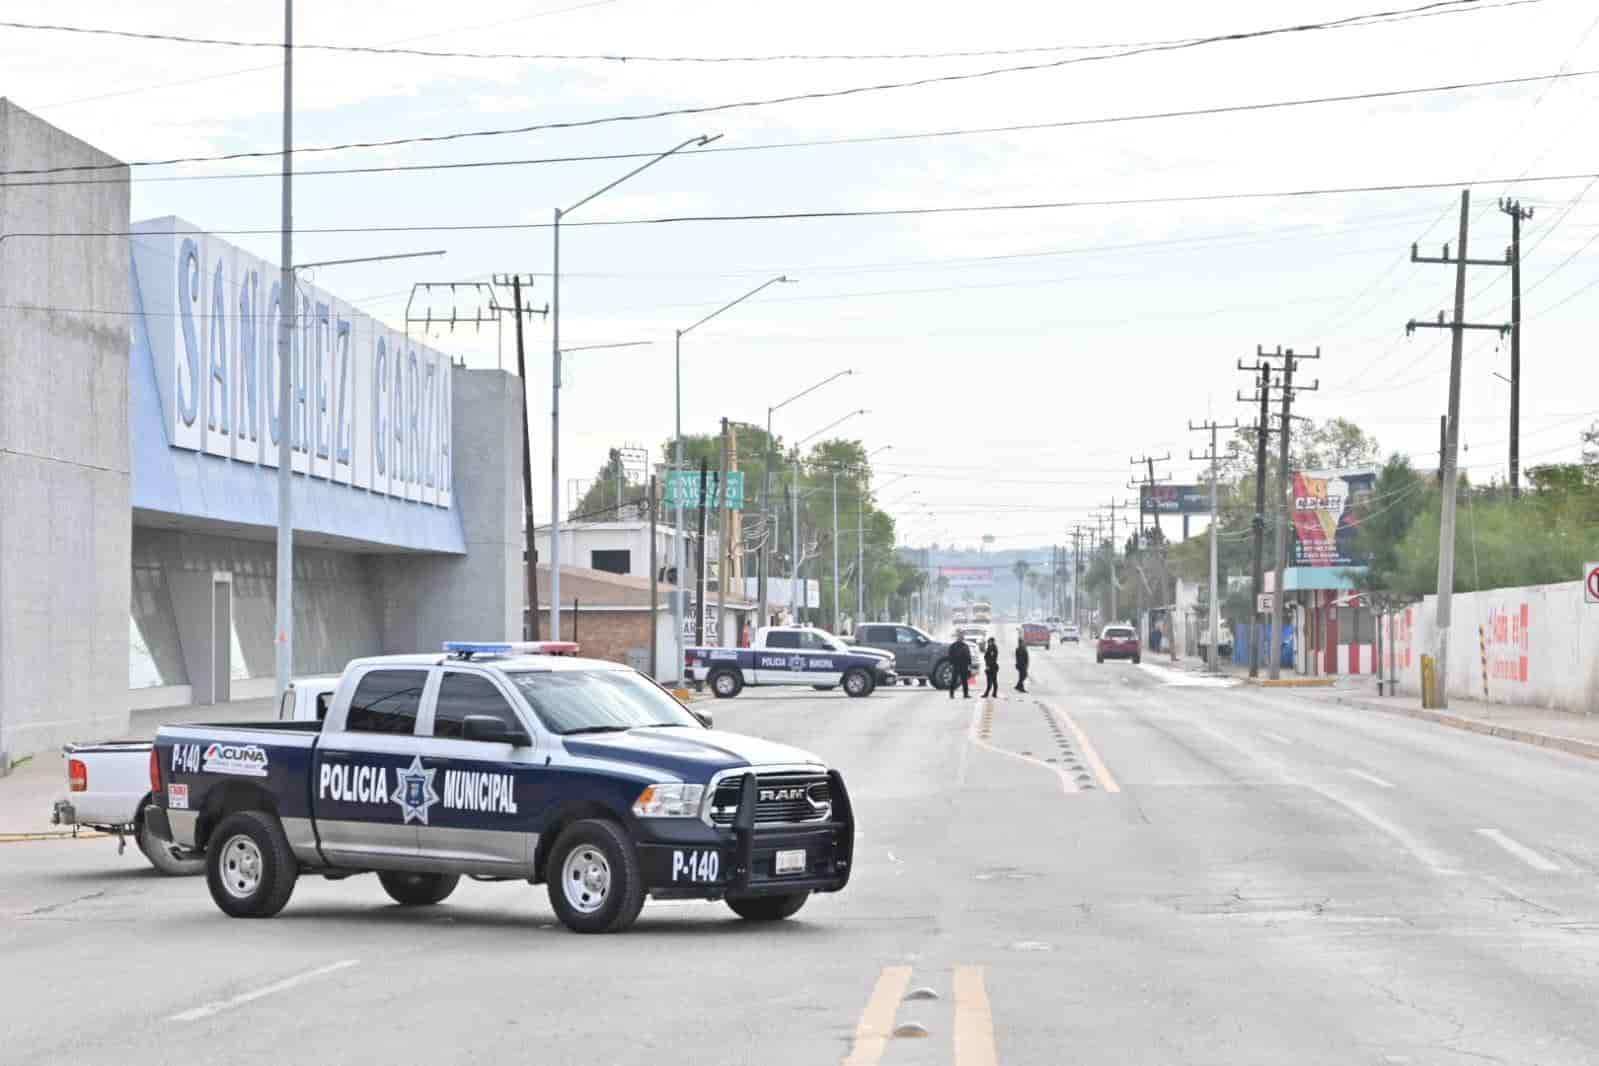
x=1590, y=583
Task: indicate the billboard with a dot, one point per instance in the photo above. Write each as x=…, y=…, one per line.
x=1174, y=499
x=1327, y=509
x=967, y=577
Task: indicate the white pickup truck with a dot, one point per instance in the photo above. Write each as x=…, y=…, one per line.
x=108, y=784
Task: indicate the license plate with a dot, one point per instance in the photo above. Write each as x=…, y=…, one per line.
x=791, y=862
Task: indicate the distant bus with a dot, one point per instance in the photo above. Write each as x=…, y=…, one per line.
x=982, y=612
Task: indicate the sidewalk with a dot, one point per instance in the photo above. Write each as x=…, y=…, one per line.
x=29, y=791
x=1577, y=734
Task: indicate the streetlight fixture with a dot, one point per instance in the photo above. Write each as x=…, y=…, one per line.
x=766, y=485
x=283, y=647
x=555, y=374
x=678, y=593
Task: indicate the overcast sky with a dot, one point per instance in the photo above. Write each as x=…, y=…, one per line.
x=1014, y=361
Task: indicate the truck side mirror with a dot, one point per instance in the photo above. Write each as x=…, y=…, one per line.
x=486, y=727
x=703, y=716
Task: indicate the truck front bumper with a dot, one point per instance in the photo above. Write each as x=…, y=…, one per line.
x=714, y=863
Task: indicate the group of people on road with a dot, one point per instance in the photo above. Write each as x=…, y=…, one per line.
x=960, y=657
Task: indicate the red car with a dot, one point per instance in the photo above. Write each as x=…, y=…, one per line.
x=1036, y=635
x=1118, y=642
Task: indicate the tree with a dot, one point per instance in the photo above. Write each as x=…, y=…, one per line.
x=1021, y=569
x=1397, y=498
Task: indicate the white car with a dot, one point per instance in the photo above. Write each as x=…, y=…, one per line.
x=108, y=784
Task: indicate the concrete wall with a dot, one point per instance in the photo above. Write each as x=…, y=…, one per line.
x=64, y=527
x=1541, y=642
x=430, y=599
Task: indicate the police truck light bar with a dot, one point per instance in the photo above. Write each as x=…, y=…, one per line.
x=465, y=649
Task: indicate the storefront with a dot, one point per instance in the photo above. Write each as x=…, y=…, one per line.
x=139, y=486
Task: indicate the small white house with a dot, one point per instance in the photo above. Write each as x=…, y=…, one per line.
x=616, y=547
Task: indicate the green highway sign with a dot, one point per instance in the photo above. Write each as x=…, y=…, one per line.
x=685, y=485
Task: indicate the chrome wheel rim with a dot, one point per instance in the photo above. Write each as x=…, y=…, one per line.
x=586, y=879
x=240, y=867
x=724, y=684
x=855, y=683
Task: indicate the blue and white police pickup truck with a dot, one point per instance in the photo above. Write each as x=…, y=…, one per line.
x=486, y=761
x=791, y=655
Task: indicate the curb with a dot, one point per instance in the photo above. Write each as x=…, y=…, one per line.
x=1583, y=748
x=1291, y=682
x=61, y=834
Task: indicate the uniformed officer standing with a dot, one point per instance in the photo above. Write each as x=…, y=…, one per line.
x=1021, y=664
x=960, y=658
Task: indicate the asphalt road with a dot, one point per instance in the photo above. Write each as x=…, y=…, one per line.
x=1126, y=865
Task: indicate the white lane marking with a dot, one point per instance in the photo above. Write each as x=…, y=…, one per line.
x=206, y=1010
x=1364, y=776
x=1279, y=739
x=1520, y=851
x=1066, y=783
x=1086, y=746
x=1437, y=861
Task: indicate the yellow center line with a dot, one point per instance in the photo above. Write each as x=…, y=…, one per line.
x=877, y=1020
x=974, y=1021
x=1084, y=745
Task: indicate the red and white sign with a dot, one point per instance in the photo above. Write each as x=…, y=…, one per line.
x=1590, y=583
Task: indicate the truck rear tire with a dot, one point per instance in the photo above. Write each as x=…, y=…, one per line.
x=858, y=682
x=159, y=852
x=594, y=879
x=725, y=684
x=768, y=908
x=418, y=890
x=249, y=867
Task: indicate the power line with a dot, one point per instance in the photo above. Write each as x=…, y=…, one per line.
x=1024, y=127
x=1447, y=7
x=842, y=213
x=826, y=94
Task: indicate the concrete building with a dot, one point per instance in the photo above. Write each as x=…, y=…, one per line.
x=139, y=429
x=616, y=547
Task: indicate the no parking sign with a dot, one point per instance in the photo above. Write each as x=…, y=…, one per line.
x=1590, y=583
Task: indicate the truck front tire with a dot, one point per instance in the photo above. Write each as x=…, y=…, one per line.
x=726, y=684
x=858, y=682
x=249, y=867
x=418, y=890
x=768, y=908
x=943, y=674
x=594, y=879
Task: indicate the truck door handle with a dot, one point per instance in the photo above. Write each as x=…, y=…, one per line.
x=335, y=756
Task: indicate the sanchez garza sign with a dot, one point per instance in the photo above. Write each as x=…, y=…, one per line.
x=369, y=408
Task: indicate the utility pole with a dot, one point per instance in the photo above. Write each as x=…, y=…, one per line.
x=1517, y=214
x=530, y=550
x=1262, y=395
x=1146, y=499
x=860, y=547
x=655, y=573
x=1451, y=470
x=1285, y=492
x=699, y=565
x=794, y=560
x=1215, y=592
x=723, y=547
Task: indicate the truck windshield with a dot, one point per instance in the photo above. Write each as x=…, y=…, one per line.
x=592, y=701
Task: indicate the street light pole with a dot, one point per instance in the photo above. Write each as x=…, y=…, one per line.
x=283, y=648
x=555, y=375
x=678, y=606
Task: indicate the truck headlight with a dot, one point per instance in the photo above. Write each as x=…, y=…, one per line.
x=672, y=799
